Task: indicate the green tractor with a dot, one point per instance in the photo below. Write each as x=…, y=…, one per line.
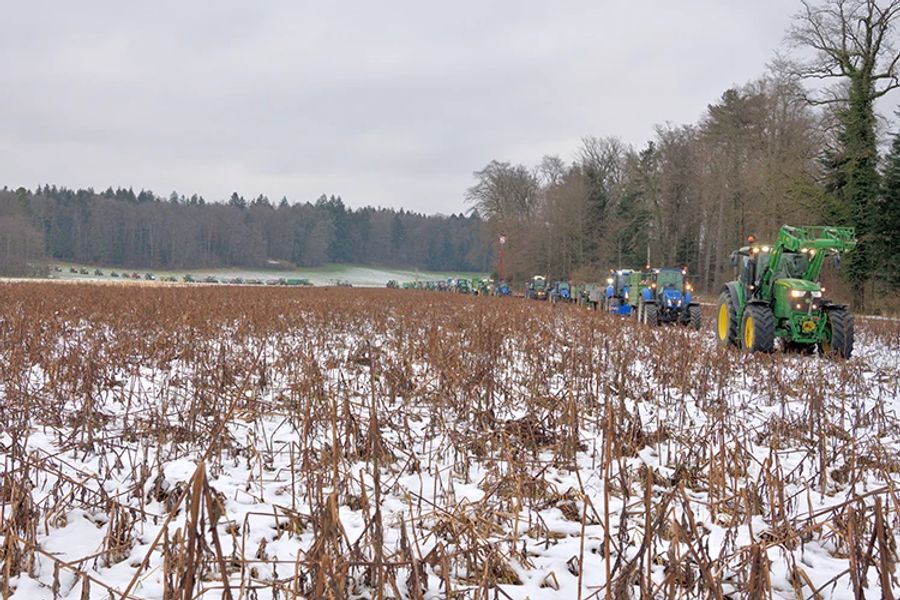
x=536, y=288
x=777, y=294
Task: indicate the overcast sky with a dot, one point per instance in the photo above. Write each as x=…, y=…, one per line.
x=385, y=103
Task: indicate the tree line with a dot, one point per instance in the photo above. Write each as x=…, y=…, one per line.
x=142, y=230
x=773, y=151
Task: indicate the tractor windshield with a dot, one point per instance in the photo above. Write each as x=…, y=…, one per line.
x=793, y=264
x=670, y=279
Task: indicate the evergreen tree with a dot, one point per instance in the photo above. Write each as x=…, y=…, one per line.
x=237, y=201
x=398, y=233
x=886, y=229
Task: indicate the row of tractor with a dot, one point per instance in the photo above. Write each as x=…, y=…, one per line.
x=538, y=288
x=776, y=298
x=189, y=278
x=655, y=296
x=461, y=285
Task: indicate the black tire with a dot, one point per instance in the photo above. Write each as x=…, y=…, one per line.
x=696, y=316
x=651, y=314
x=727, y=335
x=839, y=334
x=758, y=328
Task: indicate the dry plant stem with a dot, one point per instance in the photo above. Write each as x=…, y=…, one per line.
x=245, y=442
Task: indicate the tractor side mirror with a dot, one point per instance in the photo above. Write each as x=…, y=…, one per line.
x=733, y=258
x=836, y=262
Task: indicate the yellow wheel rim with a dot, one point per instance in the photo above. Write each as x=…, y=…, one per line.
x=723, y=322
x=748, y=332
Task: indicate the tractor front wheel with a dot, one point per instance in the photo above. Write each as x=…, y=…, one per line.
x=838, y=334
x=726, y=321
x=696, y=316
x=758, y=329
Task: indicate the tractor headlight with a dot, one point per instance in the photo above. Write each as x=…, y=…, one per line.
x=816, y=294
x=797, y=293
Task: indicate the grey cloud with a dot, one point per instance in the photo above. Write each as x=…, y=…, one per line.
x=384, y=103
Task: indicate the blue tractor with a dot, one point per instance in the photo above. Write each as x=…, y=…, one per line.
x=502, y=289
x=665, y=297
x=615, y=298
x=561, y=291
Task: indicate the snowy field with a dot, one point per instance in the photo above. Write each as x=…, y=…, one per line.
x=332, y=443
x=329, y=275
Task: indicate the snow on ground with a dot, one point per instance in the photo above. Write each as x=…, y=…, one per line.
x=515, y=446
x=356, y=275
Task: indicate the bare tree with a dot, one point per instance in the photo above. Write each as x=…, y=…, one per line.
x=503, y=191
x=850, y=42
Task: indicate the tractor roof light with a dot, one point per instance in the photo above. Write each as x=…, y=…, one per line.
x=755, y=250
x=609, y=280
x=765, y=248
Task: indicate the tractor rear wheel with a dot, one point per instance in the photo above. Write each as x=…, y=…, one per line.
x=651, y=314
x=838, y=334
x=758, y=328
x=726, y=321
x=696, y=316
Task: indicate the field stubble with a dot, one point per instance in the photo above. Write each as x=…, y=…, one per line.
x=269, y=443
